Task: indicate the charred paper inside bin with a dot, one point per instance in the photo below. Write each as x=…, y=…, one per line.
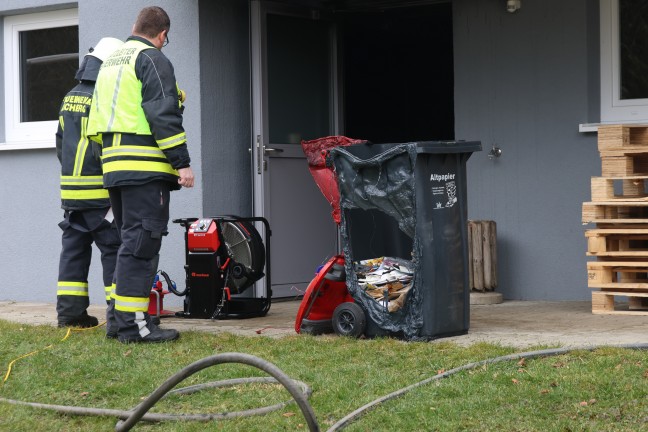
x=404, y=214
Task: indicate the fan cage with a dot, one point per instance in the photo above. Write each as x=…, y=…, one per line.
x=245, y=247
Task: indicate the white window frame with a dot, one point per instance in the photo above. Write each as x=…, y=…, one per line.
x=27, y=135
x=613, y=108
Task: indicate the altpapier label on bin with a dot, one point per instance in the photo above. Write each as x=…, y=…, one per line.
x=444, y=189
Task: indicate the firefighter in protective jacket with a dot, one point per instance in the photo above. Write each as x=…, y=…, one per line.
x=137, y=117
x=87, y=217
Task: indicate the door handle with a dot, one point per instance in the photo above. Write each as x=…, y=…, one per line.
x=267, y=150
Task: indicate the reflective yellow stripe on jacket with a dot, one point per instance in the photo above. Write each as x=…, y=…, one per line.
x=130, y=158
x=173, y=141
x=82, y=148
x=89, y=187
x=70, y=194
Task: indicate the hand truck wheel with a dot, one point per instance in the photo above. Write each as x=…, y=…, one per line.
x=349, y=320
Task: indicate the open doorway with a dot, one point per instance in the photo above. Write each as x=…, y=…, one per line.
x=397, y=85
x=398, y=73
x=382, y=74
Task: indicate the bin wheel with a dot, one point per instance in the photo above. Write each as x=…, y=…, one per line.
x=349, y=320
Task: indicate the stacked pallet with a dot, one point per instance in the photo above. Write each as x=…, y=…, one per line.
x=619, y=208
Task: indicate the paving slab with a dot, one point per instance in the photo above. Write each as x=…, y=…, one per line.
x=520, y=324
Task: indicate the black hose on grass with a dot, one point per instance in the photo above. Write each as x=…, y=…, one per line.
x=199, y=365
x=158, y=417
x=297, y=389
x=140, y=412
x=344, y=422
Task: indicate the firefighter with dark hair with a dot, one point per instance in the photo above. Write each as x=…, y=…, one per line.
x=87, y=217
x=137, y=117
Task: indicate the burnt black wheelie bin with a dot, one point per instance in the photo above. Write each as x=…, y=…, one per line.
x=404, y=226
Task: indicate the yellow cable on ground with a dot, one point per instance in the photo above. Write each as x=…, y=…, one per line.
x=67, y=334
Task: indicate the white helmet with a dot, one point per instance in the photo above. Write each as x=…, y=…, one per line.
x=105, y=47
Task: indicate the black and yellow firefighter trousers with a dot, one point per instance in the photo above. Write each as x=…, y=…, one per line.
x=142, y=215
x=80, y=229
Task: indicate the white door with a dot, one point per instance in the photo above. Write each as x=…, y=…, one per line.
x=293, y=86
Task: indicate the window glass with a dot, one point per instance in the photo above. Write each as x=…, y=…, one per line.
x=48, y=61
x=633, y=41
x=298, y=79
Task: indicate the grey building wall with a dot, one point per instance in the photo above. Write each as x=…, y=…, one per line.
x=17, y=7
x=524, y=82
x=29, y=195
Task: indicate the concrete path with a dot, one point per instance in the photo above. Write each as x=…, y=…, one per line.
x=520, y=324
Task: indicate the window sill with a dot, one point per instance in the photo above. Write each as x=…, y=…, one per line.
x=31, y=145
x=593, y=127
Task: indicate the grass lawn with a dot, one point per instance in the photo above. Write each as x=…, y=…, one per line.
x=601, y=390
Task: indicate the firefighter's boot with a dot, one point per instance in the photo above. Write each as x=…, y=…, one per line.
x=82, y=321
x=137, y=327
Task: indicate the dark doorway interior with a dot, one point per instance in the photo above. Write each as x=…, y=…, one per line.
x=398, y=74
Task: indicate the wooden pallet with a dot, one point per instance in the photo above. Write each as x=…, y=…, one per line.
x=618, y=275
x=617, y=242
x=615, y=137
x=603, y=303
x=620, y=226
x=611, y=212
x=625, y=163
x=632, y=188
x=619, y=207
